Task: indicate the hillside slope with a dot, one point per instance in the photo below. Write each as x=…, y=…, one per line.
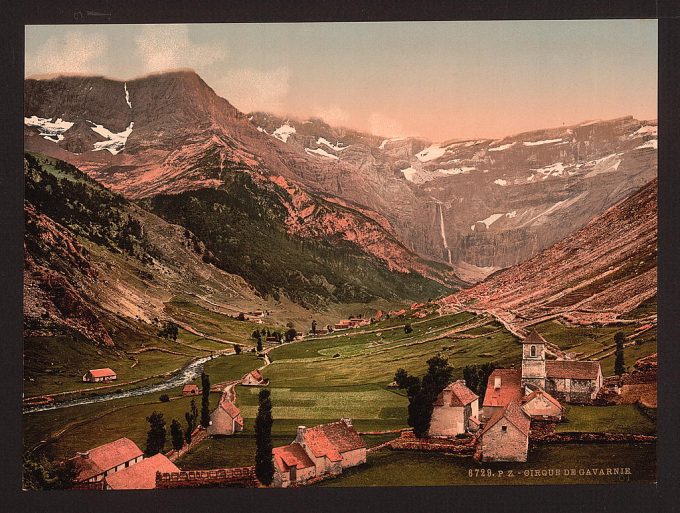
x=597, y=274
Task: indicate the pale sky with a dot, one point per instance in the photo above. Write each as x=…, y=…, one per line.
x=438, y=80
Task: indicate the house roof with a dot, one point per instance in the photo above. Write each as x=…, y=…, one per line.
x=189, y=387
x=534, y=338
x=540, y=392
x=291, y=455
x=105, y=457
x=510, y=390
x=514, y=414
x=460, y=395
x=231, y=409
x=142, y=475
x=332, y=439
x=101, y=373
x=571, y=369
x=256, y=374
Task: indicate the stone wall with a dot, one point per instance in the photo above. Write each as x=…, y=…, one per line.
x=224, y=477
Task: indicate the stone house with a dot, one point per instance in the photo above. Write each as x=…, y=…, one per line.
x=503, y=387
x=453, y=409
x=540, y=405
x=225, y=420
x=141, y=476
x=567, y=380
x=505, y=436
x=190, y=390
x=254, y=379
x=100, y=462
x=291, y=465
x=329, y=447
x=100, y=375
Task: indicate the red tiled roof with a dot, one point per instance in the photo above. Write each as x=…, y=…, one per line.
x=101, y=373
x=545, y=394
x=534, y=338
x=460, y=395
x=571, y=369
x=291, y=455
x=142, y=475
x=513, y=414
x=511, y=388
x=231, y=409
x=332, y=439
x=189, y=388
x=105, y=457
x=256, y=374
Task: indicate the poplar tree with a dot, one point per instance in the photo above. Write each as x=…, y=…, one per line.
x=264, y=464
x=205, y=400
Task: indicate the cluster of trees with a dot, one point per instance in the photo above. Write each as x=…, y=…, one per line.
x=422, y=392
x=43, y=474
x=619, y=361
x=157, y=435
x=170, y=331
x=477, y=376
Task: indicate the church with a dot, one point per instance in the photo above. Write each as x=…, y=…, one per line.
x=567, y=380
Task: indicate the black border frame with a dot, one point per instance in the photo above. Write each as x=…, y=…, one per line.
x=528, y=499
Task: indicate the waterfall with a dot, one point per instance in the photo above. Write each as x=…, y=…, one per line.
x=443, y=231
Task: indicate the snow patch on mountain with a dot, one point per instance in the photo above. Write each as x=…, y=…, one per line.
x=604, y=165
x=336, y=147
x=652, y=143
x=456, y=170
x=50, y=130
x=321, y=153
x=127, y=95
x=560, y=205
x=393, y=139
x=502, y=147
x=432, y=152
x=646, y=130
x=501, y=182
x=410, y=173
x=540, y=143
x=115, y=142
x=284, y=132
x=556, y=169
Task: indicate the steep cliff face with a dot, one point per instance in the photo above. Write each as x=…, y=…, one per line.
x=596, y=274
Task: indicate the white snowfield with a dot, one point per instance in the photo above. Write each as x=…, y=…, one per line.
x=502, y=147
x=539, y=143
x=646, y=130
x=284, y=132
x=127, y=95
x=603, y=165
x=410, y=173
x=260, y=129
x=336, y=147
x=115, y=142
x=540, y=218
x=556, y=169
x=652, y=143
x=501, y=182
x=321, y=153
x=456, y=170
x=50, y=130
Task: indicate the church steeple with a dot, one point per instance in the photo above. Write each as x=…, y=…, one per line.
x=533, y=360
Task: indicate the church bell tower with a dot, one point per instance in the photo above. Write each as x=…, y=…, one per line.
x=533, y=360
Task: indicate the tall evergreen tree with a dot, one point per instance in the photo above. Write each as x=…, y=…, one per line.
x=264, y=465
x=205, y=400
x=191, y=417
x=177, y=435
x=619, y=362
x=155, y=438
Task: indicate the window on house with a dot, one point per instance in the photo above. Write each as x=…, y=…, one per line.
x=504, y=428
x=533, y=350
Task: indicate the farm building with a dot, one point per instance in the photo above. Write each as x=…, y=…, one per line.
x=254, y=379
x=505, y=436
x=540, y=405
x=503, y=387
x=453, y=409
x=99, y=375
x=330, y=448
x=345, y=324
x=567, y=380
x=191, y=390
x=100, y=462
x=225, y=420
x=141, y=476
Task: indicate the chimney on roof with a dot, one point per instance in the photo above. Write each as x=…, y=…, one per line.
x=497, y=382
x=300, y=435
x=85, y=454
x=347, y=421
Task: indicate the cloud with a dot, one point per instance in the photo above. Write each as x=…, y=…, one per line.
x=164, y=47
x=379, y=124
x=249, y=89
x=332, y=114
x=74, y=51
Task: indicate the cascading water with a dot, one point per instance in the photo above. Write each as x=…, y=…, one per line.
x=443, y=231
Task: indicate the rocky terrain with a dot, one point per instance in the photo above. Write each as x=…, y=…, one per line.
x=595, y=275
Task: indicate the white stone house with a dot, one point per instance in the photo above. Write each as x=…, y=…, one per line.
x=225, y=420
x=453, y=410
x=505, y=436
x=104, y=460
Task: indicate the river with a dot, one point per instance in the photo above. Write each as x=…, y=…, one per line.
x=180, y=377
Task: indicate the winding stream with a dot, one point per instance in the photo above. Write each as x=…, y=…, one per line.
x=180, y=377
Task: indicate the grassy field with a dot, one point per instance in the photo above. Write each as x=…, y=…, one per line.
x=625, y=418
x=409, y=468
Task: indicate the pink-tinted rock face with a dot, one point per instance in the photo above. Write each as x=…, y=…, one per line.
x=596, y=274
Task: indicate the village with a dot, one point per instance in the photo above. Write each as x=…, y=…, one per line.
x=518, y=408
